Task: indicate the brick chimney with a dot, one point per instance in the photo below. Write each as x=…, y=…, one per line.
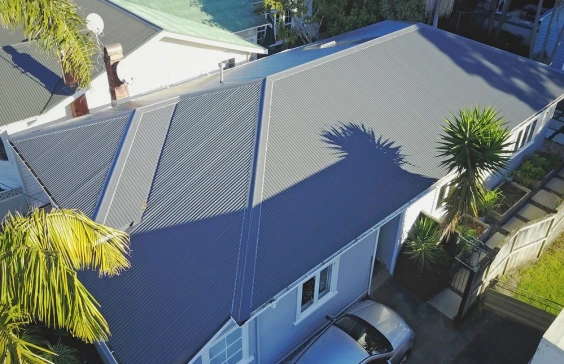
x=79, y=107
x=113, y=54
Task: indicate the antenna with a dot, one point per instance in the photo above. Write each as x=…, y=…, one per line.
x=95, y=23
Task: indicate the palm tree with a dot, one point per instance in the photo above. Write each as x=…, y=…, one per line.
x=438, y=8
x=55, y=27
x=473, y=145
x=40, y=255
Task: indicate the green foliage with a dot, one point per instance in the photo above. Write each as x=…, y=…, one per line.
x=406, y=10
x=62, y=354
x=474, y=143
x=421, y=244
x=491, y=201
x=40, y=255
x=56, y=27
x=534, y=167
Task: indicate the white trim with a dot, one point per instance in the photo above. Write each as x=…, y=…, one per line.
x=373, y=259
x=204, y=354
x=397, y=248
x=213, y=43
x=317, y=302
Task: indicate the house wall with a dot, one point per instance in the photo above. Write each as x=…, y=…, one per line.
x=276, y=332
x=387, y=241
x=169, y=61
x=557, y=24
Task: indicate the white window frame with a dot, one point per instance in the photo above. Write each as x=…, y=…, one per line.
x=317, y=302
x=247, y=358
x=524, y=136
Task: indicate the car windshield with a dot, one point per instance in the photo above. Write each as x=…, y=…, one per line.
x=365, y=334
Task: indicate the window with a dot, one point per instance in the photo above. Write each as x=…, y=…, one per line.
x=316, y=290
x=288, y=17
x=443, y=193
x=366, y=335
x=228, y=350
x=525, y=135
x=230, y=63
x=3, y=153
x=261, y=33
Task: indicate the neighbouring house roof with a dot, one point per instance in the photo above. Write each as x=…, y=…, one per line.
x=209, y=20
x=260, y=179
x=32, y=80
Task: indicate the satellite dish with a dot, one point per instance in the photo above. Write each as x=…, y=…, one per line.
x=124, y=73
x=95, y=23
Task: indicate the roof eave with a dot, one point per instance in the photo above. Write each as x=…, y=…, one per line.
x=187, y=38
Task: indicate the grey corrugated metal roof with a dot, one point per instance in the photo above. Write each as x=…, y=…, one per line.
x=31, y=80
x=193, y=222
x=344, y=140
x=126, y=202
x=73, y=162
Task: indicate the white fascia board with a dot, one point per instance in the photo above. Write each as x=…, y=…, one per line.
x=213, y=43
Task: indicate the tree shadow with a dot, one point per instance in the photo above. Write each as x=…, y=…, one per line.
x=35, y=70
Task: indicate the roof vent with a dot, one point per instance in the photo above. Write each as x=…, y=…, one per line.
x=328, y=44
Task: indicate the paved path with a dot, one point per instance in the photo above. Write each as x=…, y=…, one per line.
x=484, y=337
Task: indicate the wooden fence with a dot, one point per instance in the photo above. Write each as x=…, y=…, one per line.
x=525, y=244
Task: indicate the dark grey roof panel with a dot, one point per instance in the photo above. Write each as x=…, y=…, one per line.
x=73, y=162
x=189, y=238
x=135, y=179
x=32, y=80
x=401, y=88
x=36, y=195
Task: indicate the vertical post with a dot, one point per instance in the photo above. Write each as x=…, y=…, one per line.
x=466, y=294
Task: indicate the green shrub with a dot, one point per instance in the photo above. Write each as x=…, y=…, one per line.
x=535, y=167
x=492, y=200
x=421, y=245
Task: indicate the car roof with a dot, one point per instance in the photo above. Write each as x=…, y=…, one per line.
x=384, y=319
x=333, y=346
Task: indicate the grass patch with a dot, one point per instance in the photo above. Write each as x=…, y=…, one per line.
x=546, y=277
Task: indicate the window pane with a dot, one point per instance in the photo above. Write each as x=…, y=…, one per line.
x=234, y=348
x=324, y=281
x=532, y=131
x=220, y=359
x=234, y=336
x=518, y=140
x=236, y=358
x=217, y=349
x=308, y=289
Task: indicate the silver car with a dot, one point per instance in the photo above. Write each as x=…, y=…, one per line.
x=368, y=332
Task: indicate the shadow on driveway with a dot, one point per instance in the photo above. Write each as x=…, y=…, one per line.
x=484, y=337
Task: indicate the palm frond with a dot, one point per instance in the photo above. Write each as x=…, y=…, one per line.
x=39, y=256
x=474, y=144
x=57, y=28
x=15, y=346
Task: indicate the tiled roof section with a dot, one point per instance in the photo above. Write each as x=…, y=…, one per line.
x=32, y=80
x=73, y=163
x=184, y=251
x=175, y=23
x=131, y=181
x=231, y=15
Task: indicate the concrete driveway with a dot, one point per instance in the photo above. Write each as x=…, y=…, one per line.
x=484, y=337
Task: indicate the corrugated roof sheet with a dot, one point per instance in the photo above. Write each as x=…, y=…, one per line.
x=162, y=15
x=133, y=181
x=196, y=209
x=32, y=80
x=343, y=141
x=73, y=162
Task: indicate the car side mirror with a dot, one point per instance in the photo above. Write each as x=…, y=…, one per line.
x=330, y=318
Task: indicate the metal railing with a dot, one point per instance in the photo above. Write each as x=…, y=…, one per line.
x=534, y=299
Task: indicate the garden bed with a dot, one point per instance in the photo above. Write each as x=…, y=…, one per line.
x=469, y=225
x=513, y=198
x=537, y=169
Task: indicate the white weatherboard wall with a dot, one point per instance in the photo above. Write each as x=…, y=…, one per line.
x=551, y=346
x=169, y=61
x=276, y=333
x=557, y=24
